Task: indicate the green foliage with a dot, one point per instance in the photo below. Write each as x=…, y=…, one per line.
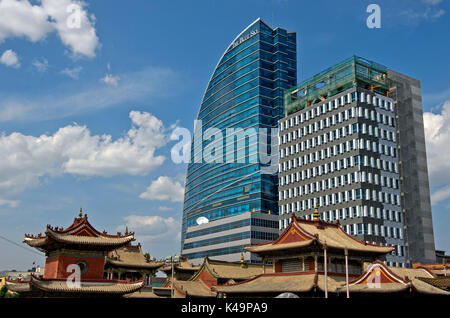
x=3, y=292
x=12, y=295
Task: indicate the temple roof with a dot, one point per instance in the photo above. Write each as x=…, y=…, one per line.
x=193, y=288
x=18, y=286
x=379, y=278
x=111, y=287
x=227, y=270
x=302, y=233
x=439, y=282
x=131, y=256
x=80, y=234
x=299, y=282
x=86, y=287
x=182, y=265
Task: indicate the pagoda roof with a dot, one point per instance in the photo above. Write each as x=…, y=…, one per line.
x=86, y=287
x=59, y=286
x=228, y=270
x=302, y=233
x=442, y=282
x=377, y=278
x=380, y=278
x=18, y=286
x=80, y=234
x=182, y=265
x=131, y=256
x=297, y=282
x=193, y=288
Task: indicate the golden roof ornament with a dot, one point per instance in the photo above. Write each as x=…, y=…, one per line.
x=316, y=215
x=243, y=261
x=81, y=213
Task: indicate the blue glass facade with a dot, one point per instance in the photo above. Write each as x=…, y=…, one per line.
x=245, y=91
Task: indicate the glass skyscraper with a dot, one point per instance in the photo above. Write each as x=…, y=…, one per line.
x=229, y=202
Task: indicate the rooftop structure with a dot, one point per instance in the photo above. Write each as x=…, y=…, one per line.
x=316, y=234
x=183, y=269
x=128, y=262
x=307, y=260
x=79, y=235
x=75, y=262
x=210, y=273
x=355, y=71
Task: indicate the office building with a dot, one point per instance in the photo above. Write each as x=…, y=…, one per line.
x=416, y=204
x=338, y=150
x=231, y=203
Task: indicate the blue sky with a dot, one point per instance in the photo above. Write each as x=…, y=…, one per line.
x=85, y=115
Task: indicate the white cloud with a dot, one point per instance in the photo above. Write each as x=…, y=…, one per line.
x=74, y=150
x=151, y=226
x=437, y=136
x=440, y=195
x=415, y=16
x=82, y=38
x=41, y=65
x=10, y=58
x=432, y=2
x=92, y=96
x=164, y=189
x=21, y=18
x=73, y=73
x=110, y=80
x=160, y=236
x=10, y=203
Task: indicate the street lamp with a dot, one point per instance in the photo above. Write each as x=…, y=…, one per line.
x=171, y=260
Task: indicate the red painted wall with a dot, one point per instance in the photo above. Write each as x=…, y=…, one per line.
x=278, y=267
x=56, y=267
x=310, y=264
x=51, y=267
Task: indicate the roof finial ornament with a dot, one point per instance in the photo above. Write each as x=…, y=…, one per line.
x=316, y=215
x=126, y=230
x=81, y=213
x=242, y=260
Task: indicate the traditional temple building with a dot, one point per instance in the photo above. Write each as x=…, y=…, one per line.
x=183, y=269
x=314, y=258
x=211, y=273
x=79, y=244
x=437, y=269
x=129, y=263
x=381, y=280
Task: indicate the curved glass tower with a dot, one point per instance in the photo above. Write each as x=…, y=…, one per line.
x=226, y=191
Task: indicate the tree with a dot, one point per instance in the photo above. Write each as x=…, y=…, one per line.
x=3, y=292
